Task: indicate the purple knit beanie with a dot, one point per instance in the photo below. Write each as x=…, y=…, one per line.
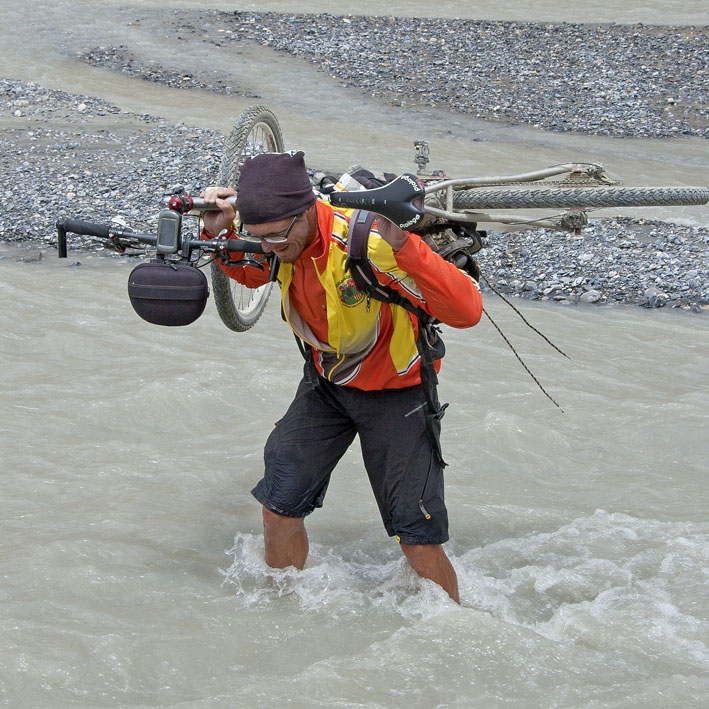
x=273, y=186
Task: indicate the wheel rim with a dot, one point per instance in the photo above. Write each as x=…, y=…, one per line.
x=248, y=300
x=259, y=140
x=255, y=132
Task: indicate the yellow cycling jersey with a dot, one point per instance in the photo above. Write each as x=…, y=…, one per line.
x=353, y=320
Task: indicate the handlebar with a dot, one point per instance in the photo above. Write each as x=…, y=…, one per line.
x=232, y=245
x=114, y=234
x=76, y=226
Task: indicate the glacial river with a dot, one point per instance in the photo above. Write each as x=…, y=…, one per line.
x=131, y=566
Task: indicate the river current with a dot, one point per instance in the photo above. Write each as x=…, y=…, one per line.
x=131, y=564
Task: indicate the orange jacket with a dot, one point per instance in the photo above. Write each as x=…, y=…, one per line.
x=357, y=342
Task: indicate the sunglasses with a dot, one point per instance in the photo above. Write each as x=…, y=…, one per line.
x=271, y=238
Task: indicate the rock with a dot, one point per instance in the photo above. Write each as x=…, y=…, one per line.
x=590, y=296
x=654, y=298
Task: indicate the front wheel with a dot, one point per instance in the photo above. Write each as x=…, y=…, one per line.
x=256, y=131
x=570, y=197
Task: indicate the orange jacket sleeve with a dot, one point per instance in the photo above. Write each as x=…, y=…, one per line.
x=449, y=294
x=253, y=273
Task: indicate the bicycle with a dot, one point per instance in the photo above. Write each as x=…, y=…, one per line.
x=445, y=211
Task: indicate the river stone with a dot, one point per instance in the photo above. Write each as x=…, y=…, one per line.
x=654, y=298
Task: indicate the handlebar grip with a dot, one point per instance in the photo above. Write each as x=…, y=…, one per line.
x=244, y=247
x=186, y=204
x=76, y=226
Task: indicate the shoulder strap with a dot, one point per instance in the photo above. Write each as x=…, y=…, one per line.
x=358, y=265
x=357, y=262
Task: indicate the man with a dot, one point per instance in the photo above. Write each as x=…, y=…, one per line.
x=367, y=367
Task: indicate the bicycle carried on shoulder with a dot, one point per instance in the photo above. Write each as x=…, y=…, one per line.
x=446, y=211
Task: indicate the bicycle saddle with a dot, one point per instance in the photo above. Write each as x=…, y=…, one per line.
x=400, y=201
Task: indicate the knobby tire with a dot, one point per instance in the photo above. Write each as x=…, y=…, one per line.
x=256, y=131
x=570, y=197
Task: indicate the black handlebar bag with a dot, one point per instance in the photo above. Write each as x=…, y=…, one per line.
x=168, y=293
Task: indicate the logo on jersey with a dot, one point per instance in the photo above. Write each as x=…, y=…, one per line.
x=349, y=293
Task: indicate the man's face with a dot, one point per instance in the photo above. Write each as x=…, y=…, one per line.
x=300, y=236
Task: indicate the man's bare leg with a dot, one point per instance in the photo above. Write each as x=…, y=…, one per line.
x=285, y=540
x=430, y=562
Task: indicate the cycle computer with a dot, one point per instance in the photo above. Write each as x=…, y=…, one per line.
x=169, y=228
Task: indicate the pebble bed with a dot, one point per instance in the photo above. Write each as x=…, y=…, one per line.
x=123, y=61
x=68, y=155
x=616, y=80
x=81, y=157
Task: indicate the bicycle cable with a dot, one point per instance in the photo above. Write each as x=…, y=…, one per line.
x=521, y=361
x=207, y=262
x=526, y=322
x=535, y=221
x=511, y=346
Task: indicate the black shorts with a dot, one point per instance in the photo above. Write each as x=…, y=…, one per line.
x=404, y=470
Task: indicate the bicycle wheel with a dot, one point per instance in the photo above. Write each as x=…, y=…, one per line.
x=256, y=131
x=564, y=197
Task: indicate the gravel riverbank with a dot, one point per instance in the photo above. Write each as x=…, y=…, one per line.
x=68, y=155
x=617, y=80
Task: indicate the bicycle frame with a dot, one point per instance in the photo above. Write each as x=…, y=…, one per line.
x=579, y=173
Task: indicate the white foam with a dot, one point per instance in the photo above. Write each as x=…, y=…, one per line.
x=606, y=581
x=335, y=577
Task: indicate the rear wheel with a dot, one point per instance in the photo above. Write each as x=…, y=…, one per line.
x=566, y=197
x=256, y=131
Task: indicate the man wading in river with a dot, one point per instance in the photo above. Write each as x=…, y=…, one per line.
x=363, y=372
